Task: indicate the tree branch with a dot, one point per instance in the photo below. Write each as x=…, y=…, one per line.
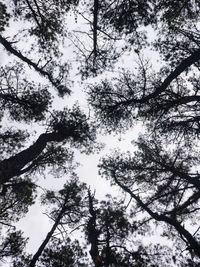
x=14, y=165
x=93, y=234
x=48, y=237
x=7, y=45
x=193, y=244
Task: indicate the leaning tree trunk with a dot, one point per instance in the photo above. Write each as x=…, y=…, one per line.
x=14, y=165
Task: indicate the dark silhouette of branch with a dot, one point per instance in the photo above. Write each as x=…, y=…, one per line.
x=8, y=46
x=192, y=199
x=184, y=65
x=93, y=234
x=95, y=27
x=34, y=14
x=185, y=235
x=14, y=165
x=48, y=237
x=185, y=176
x=38, y=9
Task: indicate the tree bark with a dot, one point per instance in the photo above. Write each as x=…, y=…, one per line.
x=93, y=234
x=12, y=166
x=48, y=237
x=107, y=258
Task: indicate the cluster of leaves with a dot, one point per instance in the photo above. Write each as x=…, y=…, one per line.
x=20, y=97
x=67, y=254
x=12, y=140
x=16, y=197
x=47, y=20
x=13, y=245
x=74, y=123
x=125, y=16
x=116, y=27
x=4, y=17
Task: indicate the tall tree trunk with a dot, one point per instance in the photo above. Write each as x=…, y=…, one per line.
x=107, y=258
x=93, y=234
x=12, y=167
x=48, y=237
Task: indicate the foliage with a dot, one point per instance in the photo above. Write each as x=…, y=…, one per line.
x=4, y=16
x=75, y=124
x=13, y=245
x=16, y=197
x=58, y=254
x=47, y=20
x=20, y=97
x=161, y=176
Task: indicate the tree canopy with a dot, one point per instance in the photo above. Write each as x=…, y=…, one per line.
x=137, y=63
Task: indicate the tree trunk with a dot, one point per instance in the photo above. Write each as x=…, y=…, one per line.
x=48, y=237
x=11, y=167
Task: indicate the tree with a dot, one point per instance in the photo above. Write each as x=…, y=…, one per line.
x=69, y=125
x=114, y=236
x=161, y=177
x=67, y=254
x=67, y=211
x=66, y=208
x=172, y=189
x=25, y=102
x=166, y=163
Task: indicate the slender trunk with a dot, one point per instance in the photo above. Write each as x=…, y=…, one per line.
x=34, y=14
x=48, y=237
x=93, y=234
x=107, y=259
x=95, y=27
